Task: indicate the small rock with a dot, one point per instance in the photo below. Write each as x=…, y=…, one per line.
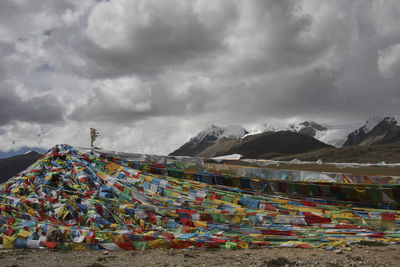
x=338, y=251
x=105, y=252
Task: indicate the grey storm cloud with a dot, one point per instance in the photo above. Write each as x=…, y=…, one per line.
x=133, y=99
x=150, y=36
x=276, y=55
x=23, y=18
x=43, y=109
x=127, y=62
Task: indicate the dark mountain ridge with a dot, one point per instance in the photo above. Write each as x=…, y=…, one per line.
x=11, y=166
x=384, y=132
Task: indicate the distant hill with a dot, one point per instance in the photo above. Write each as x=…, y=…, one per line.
x=265, y=145
x=389, y=153
x=208, y=137
x=11, y=166
x=20, y=151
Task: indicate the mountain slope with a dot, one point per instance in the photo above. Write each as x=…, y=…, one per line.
x=374, y=132
x=13, y=165
x=265, y=145
x=328, y=135
x=391, y=136
x=208, y=137
x=389, y=153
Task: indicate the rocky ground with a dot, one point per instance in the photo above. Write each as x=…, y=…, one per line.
x=356, y=255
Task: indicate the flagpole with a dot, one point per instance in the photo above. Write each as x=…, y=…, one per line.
x=93, y=135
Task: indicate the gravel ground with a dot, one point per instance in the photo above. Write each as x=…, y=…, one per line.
x=349, y=256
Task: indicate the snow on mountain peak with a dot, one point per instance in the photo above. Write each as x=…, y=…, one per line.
x=299, y=127
x=266, y=127
x=232, y=131
x=335, y=137
x=390, y=120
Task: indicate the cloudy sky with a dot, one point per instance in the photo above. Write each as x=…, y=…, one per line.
x=149, y=74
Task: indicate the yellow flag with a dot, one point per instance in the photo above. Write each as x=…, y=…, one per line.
x=8, y=241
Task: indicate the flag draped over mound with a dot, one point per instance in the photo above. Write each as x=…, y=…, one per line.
x=72, y=199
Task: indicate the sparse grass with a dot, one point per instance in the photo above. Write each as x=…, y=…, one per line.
x=21, y=251
x=372, y=243
x=212, y=250
x=281, y=261
x=60, y=250
x=107, y=258
x=333, y=264
x=17, y=252
x=390, y=153
x=95, y=265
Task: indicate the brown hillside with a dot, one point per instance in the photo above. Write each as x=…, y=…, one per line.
x=265, y=145
x=389, y=153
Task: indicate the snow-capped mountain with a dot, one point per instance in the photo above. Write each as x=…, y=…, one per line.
x=219, y=132
x=372, y=122
x=374, y=132
x=335, y=135
x=307, y=127
x=331, y=136
x=207, y=137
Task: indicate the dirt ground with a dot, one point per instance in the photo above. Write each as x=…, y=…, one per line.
x=355, y=255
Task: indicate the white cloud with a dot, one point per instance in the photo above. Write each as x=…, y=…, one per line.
x=389, y=61
x=386, y=15
x=150, y=74
x=150, y=36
